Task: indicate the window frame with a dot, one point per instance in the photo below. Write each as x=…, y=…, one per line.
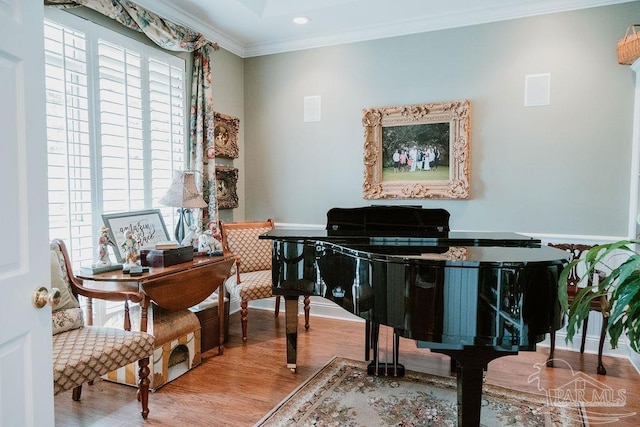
x=95, y=28
x=96, y=31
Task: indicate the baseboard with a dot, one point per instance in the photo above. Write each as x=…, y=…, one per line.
x=591, y=345
x=324, y=308
x=635, y=359
x=319, y=307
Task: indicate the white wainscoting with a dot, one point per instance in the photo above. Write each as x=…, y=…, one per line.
x=323, y=308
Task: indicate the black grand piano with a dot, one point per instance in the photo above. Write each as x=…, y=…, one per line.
x=474, y=296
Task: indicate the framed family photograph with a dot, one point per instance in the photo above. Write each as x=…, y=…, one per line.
x=417, y=151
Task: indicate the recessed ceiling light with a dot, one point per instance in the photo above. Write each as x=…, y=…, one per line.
x=301, y=20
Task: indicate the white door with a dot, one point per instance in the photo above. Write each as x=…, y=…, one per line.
x=26, y=379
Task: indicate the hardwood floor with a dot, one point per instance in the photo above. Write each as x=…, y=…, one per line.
x=241, y=386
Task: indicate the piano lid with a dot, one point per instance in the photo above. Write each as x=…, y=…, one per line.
x=387, y=238
x=458, y=255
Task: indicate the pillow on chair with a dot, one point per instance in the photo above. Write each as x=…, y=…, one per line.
x=68, y=314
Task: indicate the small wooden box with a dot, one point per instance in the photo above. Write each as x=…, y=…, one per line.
x=165, y=257
x=209, y=323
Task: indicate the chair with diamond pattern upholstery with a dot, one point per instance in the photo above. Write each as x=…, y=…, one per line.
x=252, y=278
x=83, y=353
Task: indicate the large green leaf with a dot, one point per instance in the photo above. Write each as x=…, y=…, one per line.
x=633, y=330
x=620, y=284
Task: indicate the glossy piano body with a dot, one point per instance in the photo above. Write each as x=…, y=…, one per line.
x=473, y=296
x=465, y=289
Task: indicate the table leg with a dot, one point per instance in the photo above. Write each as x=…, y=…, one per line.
x=291, y=321
x=89, y=320
x=221, y=319
x=144, y=313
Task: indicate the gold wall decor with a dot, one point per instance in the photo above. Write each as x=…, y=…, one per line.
x=417, y=151
x=226, y=187
x=225, y=129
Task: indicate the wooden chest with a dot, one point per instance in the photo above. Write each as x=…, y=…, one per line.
x=207, y=314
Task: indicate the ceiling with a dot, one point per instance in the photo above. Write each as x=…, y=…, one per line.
x=260, y=27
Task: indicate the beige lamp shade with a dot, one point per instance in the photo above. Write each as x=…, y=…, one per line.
x=183, y=192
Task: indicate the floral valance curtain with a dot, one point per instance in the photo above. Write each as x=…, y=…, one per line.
x=174, y=37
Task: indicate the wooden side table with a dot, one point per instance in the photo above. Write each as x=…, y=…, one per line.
x=173, y=288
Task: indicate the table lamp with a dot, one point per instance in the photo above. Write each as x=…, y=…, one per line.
x=184, y=195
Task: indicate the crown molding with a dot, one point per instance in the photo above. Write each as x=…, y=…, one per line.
x=170, y=11
x=434, y=22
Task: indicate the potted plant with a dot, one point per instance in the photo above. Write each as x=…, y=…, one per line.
x=620, y=284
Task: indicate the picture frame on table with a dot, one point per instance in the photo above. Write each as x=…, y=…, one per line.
x=417, y=151
x=147, y=225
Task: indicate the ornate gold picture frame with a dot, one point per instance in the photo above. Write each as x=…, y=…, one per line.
x=226, y=187
x=417, y=151
x=225, y=129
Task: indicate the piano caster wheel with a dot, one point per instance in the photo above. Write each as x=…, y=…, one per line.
x=293, y=370
x=292, y=367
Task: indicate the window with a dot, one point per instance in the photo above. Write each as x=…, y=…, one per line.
x=116, y=128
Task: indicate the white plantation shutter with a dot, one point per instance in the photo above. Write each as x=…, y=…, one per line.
x=167, y=121
x=116, y=128
x=121, y=133
x=70, y=200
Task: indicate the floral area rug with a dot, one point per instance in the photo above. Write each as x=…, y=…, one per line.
x=342, y=394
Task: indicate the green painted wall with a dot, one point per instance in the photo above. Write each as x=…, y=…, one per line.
x=228, y=98
x=558, y=169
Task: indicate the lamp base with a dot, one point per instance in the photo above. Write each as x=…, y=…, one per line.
x=181, y=226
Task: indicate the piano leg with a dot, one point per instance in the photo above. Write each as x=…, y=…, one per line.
x=371, y=333
x=373, y=367
x=291, y=322
x=471, y=365
x=396, y=353
x=367, y=340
